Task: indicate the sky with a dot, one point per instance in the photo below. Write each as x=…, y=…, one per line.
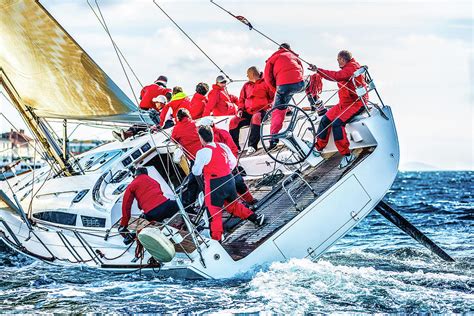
x=420, y=54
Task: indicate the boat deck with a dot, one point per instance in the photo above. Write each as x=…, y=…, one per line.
x=279, y=209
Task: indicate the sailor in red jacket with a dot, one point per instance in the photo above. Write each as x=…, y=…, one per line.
x=185, y=133
x=220, y=102
x=215, y=162
x=349, y=106
x=255, y=98
x=199, y=101
x=223, y=136
x=150, y=198
x=179, y=100
x=150, y=92
x=283, y=73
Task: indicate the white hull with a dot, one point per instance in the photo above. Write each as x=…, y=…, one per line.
x=310, y=233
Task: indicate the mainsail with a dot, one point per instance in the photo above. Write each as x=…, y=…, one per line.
x=50, y=72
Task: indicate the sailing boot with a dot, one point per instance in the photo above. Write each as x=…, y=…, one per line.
x=258, y=220
x=346, y=161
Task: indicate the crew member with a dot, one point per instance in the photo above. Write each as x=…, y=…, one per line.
x=215, y=161
x=255, y=98
x=349, y=106
x=185, y=133
x=150, y=92
x=223, y=136
x=220, y=102
x=179, y=100
x=150, y=198
x=283, y=73
x=199, y=101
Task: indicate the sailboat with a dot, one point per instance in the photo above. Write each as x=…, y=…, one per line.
x=67, y=212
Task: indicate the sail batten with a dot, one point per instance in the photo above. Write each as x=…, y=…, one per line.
x=50, y=71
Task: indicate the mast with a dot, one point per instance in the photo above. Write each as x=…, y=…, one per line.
x=34, y=123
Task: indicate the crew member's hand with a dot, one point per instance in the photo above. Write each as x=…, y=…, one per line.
x=313, y=68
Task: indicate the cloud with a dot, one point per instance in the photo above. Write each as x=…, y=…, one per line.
x=420, y=54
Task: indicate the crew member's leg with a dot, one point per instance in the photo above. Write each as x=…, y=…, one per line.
x=236, y=123
x=214, y=199
x=255, y=124
x=163, y=211
x=324, y=128
x=242, y=188
x=282, y=96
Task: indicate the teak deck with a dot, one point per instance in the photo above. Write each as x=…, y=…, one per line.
x=279, y=209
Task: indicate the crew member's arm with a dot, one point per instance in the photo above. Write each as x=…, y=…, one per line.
x=163, y=113
x=230, y=155
x=127, y=202
x=211, y=103
x=203, y=156
x=341, y=75
x=268, y=75
x=242, y=97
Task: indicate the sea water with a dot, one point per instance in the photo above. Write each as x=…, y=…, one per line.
x=375, y=268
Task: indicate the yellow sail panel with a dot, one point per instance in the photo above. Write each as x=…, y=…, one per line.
x=49, y=70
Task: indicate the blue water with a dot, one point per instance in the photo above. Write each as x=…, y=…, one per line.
x=375, y=268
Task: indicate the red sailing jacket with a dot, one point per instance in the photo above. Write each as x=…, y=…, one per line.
x=197, y=106
x=347, y=94
x=223, y=136
x=220, y=103
x=185, y=133
x=150, y=92
x=148, y=193
x=255, y=96
x=261, y=97
x=245, y=93
x=178, y=101
x=283, y=67
x=218, y=166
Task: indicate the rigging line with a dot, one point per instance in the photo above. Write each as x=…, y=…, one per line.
x=192, y=41
x=247, y=23
x=115, y=48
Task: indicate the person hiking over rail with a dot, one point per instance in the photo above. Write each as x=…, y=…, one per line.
x=283, y=73
x=215, y=161
x=349, y=106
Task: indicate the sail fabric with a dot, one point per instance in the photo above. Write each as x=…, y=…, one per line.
x=50, y=71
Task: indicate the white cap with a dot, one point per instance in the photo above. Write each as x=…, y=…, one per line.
x=206, y=121
x=160, y=99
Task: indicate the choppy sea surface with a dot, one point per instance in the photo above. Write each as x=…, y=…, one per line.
x=375, y=268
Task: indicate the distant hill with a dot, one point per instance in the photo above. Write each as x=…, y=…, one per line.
x=417, y=166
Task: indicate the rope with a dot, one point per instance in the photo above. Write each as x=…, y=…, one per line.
x=192, y=41
x=104, y=25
